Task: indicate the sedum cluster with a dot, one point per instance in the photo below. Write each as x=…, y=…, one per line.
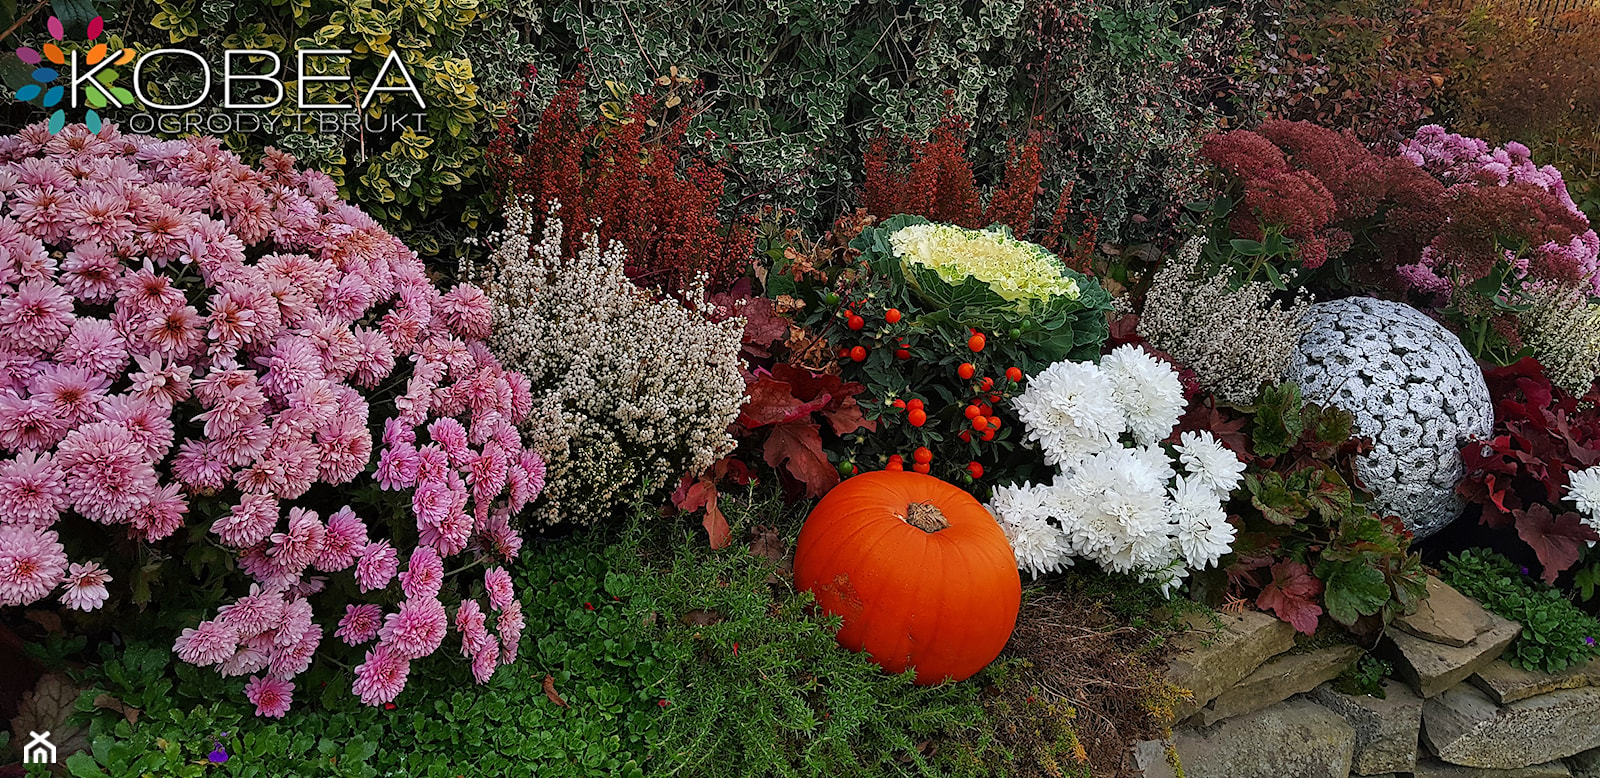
x=629, y=387
x=1020, y=272
x=194, y=343
x=1118, y=499
x=1233, y=339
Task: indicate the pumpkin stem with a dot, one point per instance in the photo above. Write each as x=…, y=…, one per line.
x=926, y=517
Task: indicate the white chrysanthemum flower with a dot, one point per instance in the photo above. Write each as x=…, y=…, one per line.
x=1070, y=411
x=1148, y=391
x=1583, y=488
x=1119, y=501
x=1024, y=514
x=1206, y=460
x=1156, y=458
x=1203, y=532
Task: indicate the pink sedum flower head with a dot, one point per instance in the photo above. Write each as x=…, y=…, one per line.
x=183, y=330
x=83, y=588
x=271, y=696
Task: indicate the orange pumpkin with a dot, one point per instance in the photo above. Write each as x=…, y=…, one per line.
x=920, y=572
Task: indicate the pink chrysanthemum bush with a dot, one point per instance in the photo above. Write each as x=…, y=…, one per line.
x=201, y=353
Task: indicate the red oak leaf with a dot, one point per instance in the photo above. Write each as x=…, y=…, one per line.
x=1556, y=539
x=796, y=448
x=847, y=418
x=1292, y=595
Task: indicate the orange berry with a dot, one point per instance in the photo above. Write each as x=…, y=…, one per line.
x=894, y=459
x=855, y=322
x=988, y=435
x=980, y=422
x=898, y=403
x=986, y=384
x=994, y=422
x=915, y=403
x=973, y=412
x=901, y=353
x=966, y=371
x=966, y=436
x=921, y=468
x=922, y=455
x=986, y=409
x=892, y=316
x=1014, y=374
x=917, y=417
x=976, y=469
x=894, y=467
x=858, y=354
x=975, y=342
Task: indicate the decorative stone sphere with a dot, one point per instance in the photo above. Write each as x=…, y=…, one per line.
x=1412, y=388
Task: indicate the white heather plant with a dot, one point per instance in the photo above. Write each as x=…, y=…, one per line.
x=630, y=386
x=1118, y=499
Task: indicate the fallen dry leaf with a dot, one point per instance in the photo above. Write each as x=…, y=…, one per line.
x=550, y=690
x=700, y=617
x=108, y=702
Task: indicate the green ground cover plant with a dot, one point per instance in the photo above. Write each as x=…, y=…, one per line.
x=1556, y=634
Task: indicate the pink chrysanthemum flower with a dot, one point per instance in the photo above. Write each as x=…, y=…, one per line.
x=472, y=623
x=162, y=515
x=108, y=477
x=143, y=295
x=297, y=623
x=95, y=345
x=33, y=490
x=374, y=357
x=147, y=420
x=254, y=613
x=90, y=273
x=485, y=661
x=497, y=538
x=175, y=335
x=498, y=583
x=377, y=565
x=424, y=574
x=37, y=317
x=451, y=536
x=296, y=548
x=100, y=217
x=84, y=586
x=31, y=564
x=466, y=311
x=382, y=677
x=345, y=538
x=73, y=393
x=271, y=696
x=416, y=629
x=251, y=657
x=159, y=380
x=360, y=623
x=29, y=424
x=397, y=466
x=292, y=660
x=210, y=643
x=452, y=437
x=249, y=522
x=198, y=466
x=346, y=447
x=511, y=625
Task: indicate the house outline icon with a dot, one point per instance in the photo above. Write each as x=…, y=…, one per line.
x=39, y=750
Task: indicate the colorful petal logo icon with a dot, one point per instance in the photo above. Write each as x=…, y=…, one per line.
x=48, y=65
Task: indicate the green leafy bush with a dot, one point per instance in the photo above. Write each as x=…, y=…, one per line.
x=1307, y=543
x=1556, y=634
x=420, y=180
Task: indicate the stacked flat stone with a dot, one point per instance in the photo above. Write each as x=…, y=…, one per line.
x=1411, y=386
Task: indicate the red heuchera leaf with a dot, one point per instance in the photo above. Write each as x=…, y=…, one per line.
x=847, y=418
x=808, y=385
x=796, y=448
x=1556, y=539
x=1229, y=431
x=1292, y=595
x=772, y=401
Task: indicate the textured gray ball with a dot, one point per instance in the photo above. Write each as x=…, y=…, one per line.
x=1412, y=388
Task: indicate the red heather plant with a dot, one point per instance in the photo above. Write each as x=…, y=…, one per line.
x=195, y=348
x=631, y=174
x=934, y=180
x=1519, y=476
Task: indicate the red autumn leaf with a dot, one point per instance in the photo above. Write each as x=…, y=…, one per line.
x=847, y=418
x=702, y=493
x=796, y=448
x=1292, y=595
x=716, y=524
x=1556, y=539
x=808, y=385
x=771, y=401
x=762, y=325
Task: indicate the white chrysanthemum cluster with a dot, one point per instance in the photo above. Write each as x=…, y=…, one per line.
x=1119, y=498
x=629, y=387
x=1583, y=489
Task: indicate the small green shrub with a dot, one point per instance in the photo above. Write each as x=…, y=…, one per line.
x=1556, y=634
